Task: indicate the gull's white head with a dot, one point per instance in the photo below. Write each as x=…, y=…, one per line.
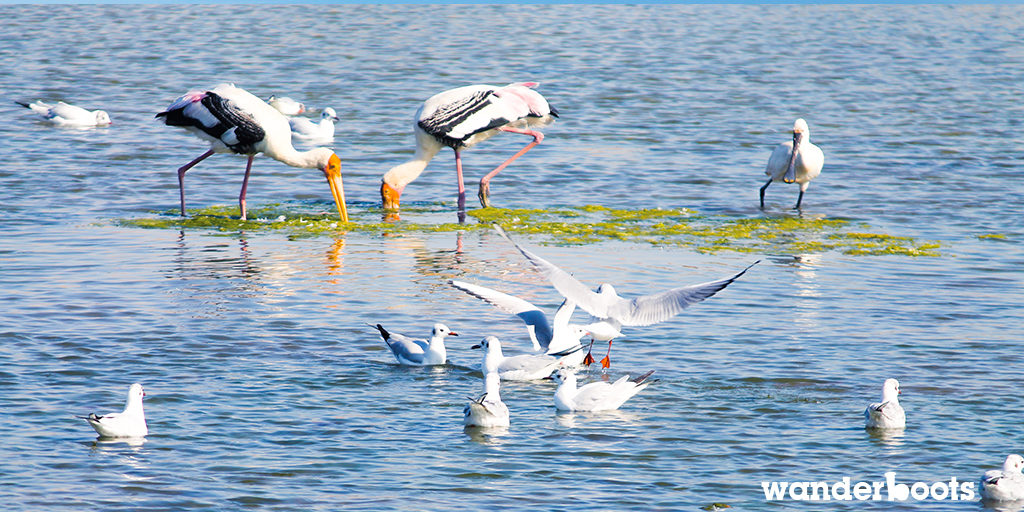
x=329, y=113
x=102, y=117
x=890, y=390
x=606, y=289
x=564, y=375
x=1014, y=463
x=442, y=330
x=492, y=353
x=135, y=395
x=578, y=331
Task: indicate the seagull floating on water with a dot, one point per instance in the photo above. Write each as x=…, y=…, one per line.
x=1004, y=485
x=64, y=114
x=418, y=352
x=234, y=121
x=795, y=161
x=286, y=105
x=557, y=338
x=131, y=422
x=610, y=311
x=488, y=410
x=520, y=367
x=461, y=117
x=596, y=396
x=888, y=413
x=306, y=129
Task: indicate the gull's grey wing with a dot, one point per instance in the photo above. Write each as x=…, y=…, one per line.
x=564, y=282
x=651, y=309
x=528, y=313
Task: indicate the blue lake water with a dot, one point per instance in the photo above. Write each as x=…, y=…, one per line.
x=267, y=391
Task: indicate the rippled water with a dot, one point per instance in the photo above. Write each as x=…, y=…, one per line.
x=266, y=390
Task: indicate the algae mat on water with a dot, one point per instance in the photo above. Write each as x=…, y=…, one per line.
x=575, y=226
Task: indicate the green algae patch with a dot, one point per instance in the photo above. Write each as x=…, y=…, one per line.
x=992, y=236
x=568, y=226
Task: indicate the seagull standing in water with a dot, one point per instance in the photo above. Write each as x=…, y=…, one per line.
x=610, y=311
x=596, y=396
x=63, y=114
x=559, y=338
x=305, y=129
x=1005, y=485
x=131, y=422
x=461, y=117
x=417, y=352
x=234, y=121
x=795, y=161
x=888, y=413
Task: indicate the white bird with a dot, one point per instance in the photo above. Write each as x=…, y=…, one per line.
x=418, y=352
x=1005, y=485
x=286, y=105
x=596, y=396
x=128, y=423
x=305, y=129
x=234, y=121
x=461, y=117
x=557, y=338
x=888, y=413
x=520, y=367
x=488, y=410
x=610, y=311
x=63, y=114
x=795, y=161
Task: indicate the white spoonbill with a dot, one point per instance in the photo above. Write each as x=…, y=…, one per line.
x=888, y=413
x=1005, y=485
x=557, y=338
x=286, y=105
x=234, y=121
x=306, y=129
x=417, y=352
x=63, y=114
x=461, y=117
x=128, y=423
x=487, y=411
x=610, y=311
x=596, y=396
x=795, y=161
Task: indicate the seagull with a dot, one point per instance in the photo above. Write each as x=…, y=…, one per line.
x=596, y=396
x=234, y=121
x=306, y=129
x=888, y=413
x=610, y=311
x=1005, y=485
x=461, y=117
x=413, y=352
x=520, y=367
x=555, y=339
x=63, y=114
x=286, y=105
x=128, y=423
x=799, y=165
x=488, y=410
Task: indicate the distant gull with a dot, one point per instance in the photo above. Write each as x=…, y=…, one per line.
x=888, y=413
x=488, y=410
x=795, y=161
x=520, y=367
x=234, y=121
x=611, y=311
x=556, y=338
x=1004, y=485
x=286, y=105
x=305, y=129
x=596, y=396
x=128, y=423
x=418, y=352
x=461, y=117
x=63, y=114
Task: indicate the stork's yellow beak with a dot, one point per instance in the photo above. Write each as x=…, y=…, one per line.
x=389, y=196
x=333, y=174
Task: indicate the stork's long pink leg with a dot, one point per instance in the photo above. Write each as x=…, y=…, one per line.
x=245, y=183
x=485, y=187
x=181, y=176
x=462, y=187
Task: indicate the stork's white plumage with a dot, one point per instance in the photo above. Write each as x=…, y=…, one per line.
x=795, y=161
x=63, y=114
x=461, y=117
x=234, y=121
